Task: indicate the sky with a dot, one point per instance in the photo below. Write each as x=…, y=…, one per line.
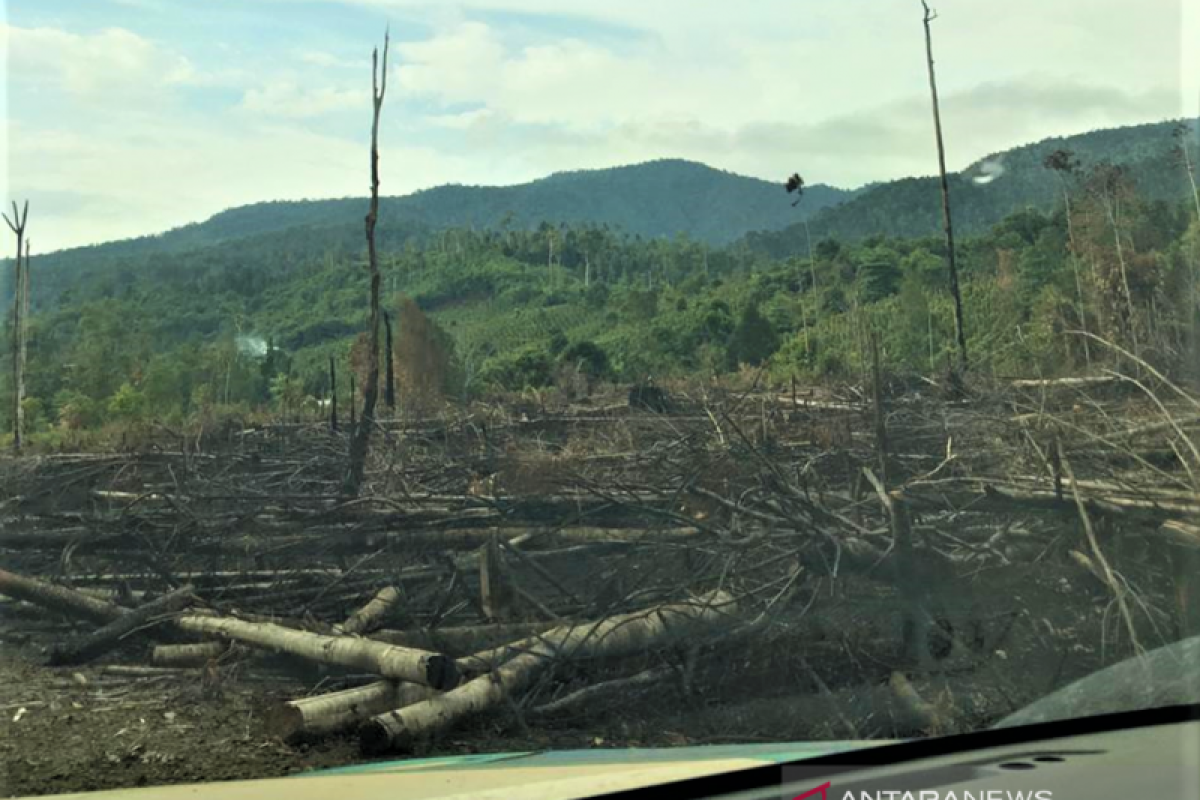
x=129, y=117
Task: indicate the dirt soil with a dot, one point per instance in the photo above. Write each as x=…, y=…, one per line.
x=73, y=729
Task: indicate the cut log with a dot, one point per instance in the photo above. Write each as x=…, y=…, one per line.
x=372, y=614
x=1064, y=383
x=58, y=598
x=388, y=661
x=461, y=640
x=187, y=655
x=100, y=641
x=312, y=717
x=399, y=728
x=513, y=667
x=621, y=635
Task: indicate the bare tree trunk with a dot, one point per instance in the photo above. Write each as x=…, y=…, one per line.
x=20, y=309
x=389, y=391
x=333, y=415
x=1081, y=308
x=947, y=222
x=361, y=437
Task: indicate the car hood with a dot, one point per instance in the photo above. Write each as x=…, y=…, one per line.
x=552, y=775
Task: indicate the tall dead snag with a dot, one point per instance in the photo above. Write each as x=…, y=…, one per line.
x=20, y=312
x=947, y=223
x=361, y=435
x=1065, y=165
x=333, y=417
x=389, y=388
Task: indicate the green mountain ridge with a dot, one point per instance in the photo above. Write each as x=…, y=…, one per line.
x=659, y=198
x=911, y=207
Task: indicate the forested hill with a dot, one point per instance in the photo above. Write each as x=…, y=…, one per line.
x=654, y=199
x=988, y=190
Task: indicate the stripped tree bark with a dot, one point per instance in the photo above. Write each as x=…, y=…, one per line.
x=361, y=435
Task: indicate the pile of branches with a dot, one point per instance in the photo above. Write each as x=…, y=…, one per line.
x=536, y=568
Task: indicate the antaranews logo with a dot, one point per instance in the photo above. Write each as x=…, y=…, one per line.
x=824, y=791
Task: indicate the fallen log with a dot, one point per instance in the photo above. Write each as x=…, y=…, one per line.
x=311, y=717
x=100, y=641
x=615, y=636
x=461, y=640
x=370, y=615
x=58, y=598
x=514, y=666
x=1064, y=383
x=187, y=655
x=386, y=660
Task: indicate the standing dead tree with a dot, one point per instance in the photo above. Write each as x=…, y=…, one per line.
x=1064, y=164
x=947, y=222
x=20, y=312
x=361, y=434
x=389, y=389
x=333, y=415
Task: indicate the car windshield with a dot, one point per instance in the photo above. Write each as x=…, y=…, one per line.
x=390, y=379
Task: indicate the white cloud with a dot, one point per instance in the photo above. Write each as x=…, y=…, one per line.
x=319, y=58
x=181, y=171
x=113, y=64
x=290, y=100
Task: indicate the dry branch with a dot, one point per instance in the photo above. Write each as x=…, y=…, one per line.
x=58, y=598
x=110, y=636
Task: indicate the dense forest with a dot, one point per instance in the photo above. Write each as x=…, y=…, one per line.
x=1097, y=247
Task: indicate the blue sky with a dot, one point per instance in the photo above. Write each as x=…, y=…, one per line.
x=127, y=117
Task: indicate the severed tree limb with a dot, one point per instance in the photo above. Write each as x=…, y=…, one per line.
x=389, y=661
x=100, y=641
x=374, y=612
